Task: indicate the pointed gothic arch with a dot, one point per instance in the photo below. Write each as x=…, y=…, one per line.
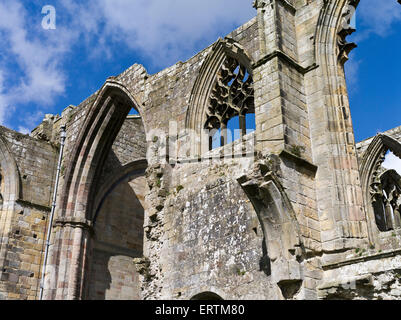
x=225, y=55
x=118, y=234
x=96, y=137
x=131, y=169
x=373, y=178
x=101, y=126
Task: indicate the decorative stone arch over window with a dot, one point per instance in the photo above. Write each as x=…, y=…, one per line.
x=223, y=90
x=382, y=188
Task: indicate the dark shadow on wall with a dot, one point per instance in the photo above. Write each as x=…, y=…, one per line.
x=106, y=281
x=265, y=263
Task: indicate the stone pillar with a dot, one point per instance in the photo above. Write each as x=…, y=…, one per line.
x=302, y=106
x=339, y=193
x=281, y=113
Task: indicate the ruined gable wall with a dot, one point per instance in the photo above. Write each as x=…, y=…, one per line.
x=204, y=227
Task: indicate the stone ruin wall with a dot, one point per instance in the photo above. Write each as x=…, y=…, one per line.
x=172, y=231
x=23, y=222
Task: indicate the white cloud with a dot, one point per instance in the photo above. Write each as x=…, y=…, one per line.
x=31, y=61
x=39, y=77
x=24, y=130
x=392, y=162
x=351, y=72
x=377, y=17
x=166, y=31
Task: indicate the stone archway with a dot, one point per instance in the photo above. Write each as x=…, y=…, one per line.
x=118, y=236
x=70, y=252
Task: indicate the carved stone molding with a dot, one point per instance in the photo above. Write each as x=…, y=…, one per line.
x=258, y=4
x=346, y=29
x=74, y=222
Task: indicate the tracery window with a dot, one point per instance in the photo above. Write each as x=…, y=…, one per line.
x=231, y=97
x=385, y=191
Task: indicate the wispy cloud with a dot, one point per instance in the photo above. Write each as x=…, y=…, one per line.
x=351, y=71
x=392, y=162
x=31, y=59
x=166, y=31
x=377, y=17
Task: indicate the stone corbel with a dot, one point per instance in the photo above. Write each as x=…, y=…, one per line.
x=278, y=221
x=346, y=29
x=259, y=4
x=74, y=222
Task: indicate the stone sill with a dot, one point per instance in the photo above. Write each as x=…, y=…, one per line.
x=377, y=256
x=213, y=157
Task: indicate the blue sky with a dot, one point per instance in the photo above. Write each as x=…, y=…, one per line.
x=44, y=71
x=374, y=70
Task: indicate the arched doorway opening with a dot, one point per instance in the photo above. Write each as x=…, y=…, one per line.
x=207, y=296
x=118, y=235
